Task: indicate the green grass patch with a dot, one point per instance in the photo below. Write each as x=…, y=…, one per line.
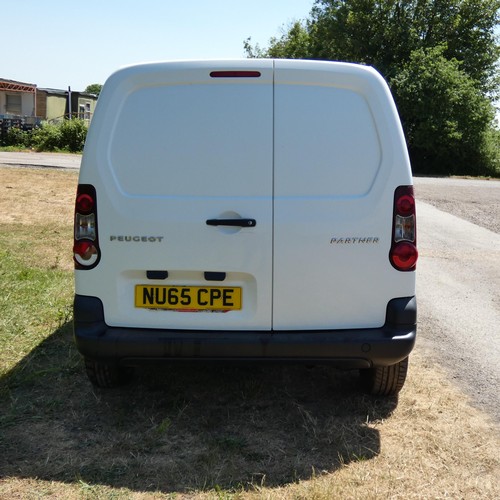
x=34, y=301
x=15, y=149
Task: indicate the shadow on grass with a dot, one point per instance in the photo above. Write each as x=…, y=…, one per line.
x=181, y=428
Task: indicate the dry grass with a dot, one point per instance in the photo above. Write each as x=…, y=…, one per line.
x=37, y=208
x=209, y=431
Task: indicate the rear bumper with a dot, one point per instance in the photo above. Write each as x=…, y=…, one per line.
x=360, y=348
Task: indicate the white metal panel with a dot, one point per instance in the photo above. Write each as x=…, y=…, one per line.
x=171, y=147
x=195, y=140
x=339, y=155
x=328, y=135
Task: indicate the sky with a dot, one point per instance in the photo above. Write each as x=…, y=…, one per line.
x=57, y=44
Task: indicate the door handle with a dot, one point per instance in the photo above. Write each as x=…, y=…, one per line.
x=232, y=222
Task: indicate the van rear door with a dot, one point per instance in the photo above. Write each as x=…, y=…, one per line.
x=339, y=154
x=189, y=143
x=311, y=152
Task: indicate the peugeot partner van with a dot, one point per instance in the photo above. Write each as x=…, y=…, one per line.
x=257, y=210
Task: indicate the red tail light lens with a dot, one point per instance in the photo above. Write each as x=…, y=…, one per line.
x=84, y=203
x=404, y=254
x=86, y=253
x=405, y=205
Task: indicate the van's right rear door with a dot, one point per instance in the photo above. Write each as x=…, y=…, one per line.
x=339, y=153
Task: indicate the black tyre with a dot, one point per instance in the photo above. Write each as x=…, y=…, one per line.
x=384, y=380
x=108, y=375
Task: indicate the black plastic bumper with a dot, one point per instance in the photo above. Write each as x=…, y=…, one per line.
x=361, y=348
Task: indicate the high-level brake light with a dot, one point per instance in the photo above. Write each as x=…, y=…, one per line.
x=86, y=253
x=404, y=253
x=235, y=74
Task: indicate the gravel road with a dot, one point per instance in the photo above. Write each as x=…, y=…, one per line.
x=40, y=160
x=458, y=283
x=477, y=201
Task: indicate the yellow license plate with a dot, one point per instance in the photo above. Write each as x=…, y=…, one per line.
x=188, y=298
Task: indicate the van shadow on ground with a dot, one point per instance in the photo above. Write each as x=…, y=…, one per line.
x=181, y=427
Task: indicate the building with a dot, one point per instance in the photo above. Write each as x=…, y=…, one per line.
x=18, y=102
x=52, y=104
x=83, y=104
x=27, y=105
x=55, y=105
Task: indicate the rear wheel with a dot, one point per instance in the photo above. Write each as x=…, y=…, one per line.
x=103, y=374
x=384, y=380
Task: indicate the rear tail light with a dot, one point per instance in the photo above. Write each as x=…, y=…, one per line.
x=86, y=253
x=404, y=253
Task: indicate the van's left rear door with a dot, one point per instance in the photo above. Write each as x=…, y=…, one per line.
x=188, y=143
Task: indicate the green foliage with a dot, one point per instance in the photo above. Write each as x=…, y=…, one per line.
x=68, y=135
x=16, y=136
x=439, y=57
x=446, y=117
x=73, y=134
x=94, y=88
x=47, y=137
x=384, y=34
x=294, y=43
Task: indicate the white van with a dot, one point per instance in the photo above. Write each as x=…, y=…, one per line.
x=246, y=210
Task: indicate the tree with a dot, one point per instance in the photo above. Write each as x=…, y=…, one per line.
x=445, y=116
x=293, y=44
x=431, y=52
x=385, y=33
x=94, y=88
